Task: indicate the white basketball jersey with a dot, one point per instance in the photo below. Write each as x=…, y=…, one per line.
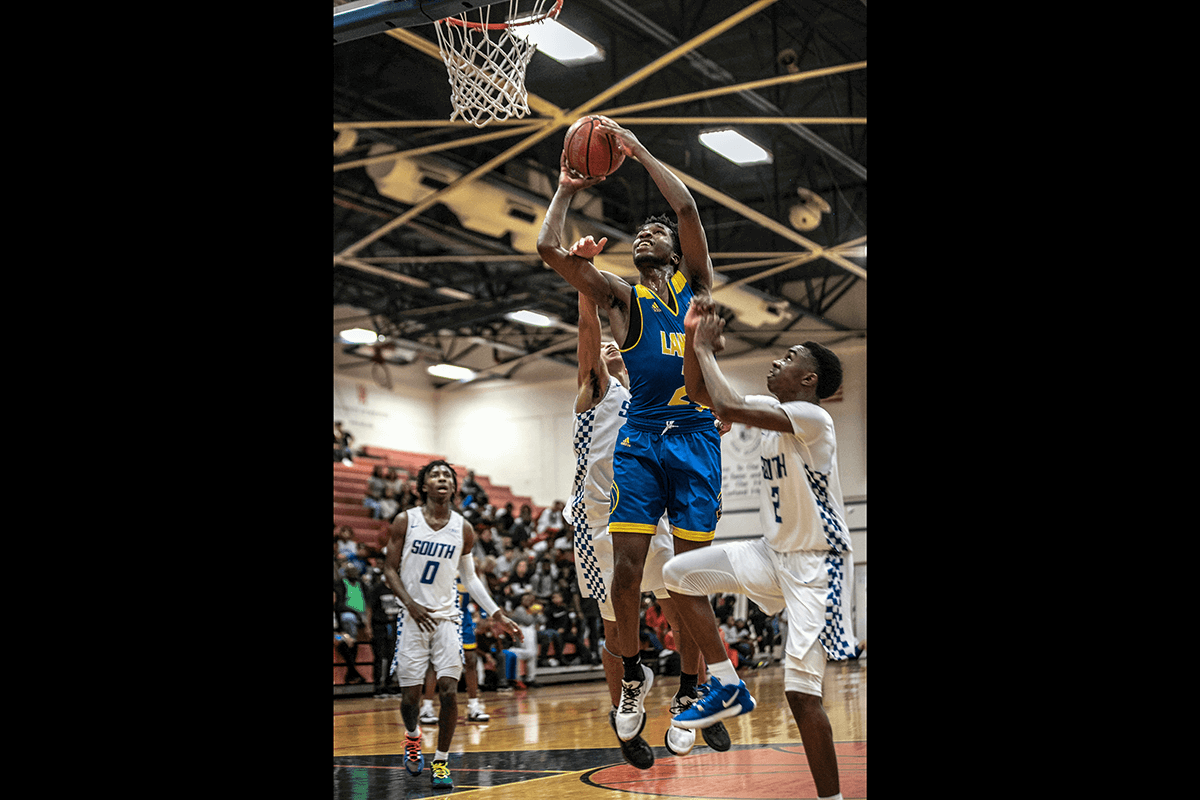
x=595, y=439
x=801, y=502
x=429, y=563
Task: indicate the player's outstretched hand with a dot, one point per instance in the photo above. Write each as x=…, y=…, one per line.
x=588, y=247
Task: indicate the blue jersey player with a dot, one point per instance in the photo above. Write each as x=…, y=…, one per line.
x=668, y=452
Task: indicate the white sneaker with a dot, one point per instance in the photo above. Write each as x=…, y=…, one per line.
x=477, y=714
x=428, y=717
x=680, y=741
x=631, y=712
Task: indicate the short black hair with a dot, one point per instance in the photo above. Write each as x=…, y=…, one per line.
x=424, y=495
x=663, y=219
x=829, y=369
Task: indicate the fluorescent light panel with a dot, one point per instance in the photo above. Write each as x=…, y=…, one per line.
x=450, y=371
x=735, y=147
x=359, y=336
x=530, y=318
x=560, y=42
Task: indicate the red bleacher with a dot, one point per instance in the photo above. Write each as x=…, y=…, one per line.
x=350, y=487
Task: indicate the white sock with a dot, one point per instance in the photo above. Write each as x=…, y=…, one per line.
x=442, y=755
x=724, y=672
x=837, y=796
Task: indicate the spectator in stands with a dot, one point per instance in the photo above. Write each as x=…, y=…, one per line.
x=471, y=488
x=550, y=524
x=504, y=519
x=746, y=638
x=344, y=535
x=382, y=610
x=388, y=506
x=376, y=483
x=561, y=630
x=343, y=440
x=507, y=559
x=361, y=560
x=543, y=580
x=523, y=527
x=520, y=583
x=490, y=651
x=524, y=616
x=350, y=607
x=565, y=541
x=396, y=481
x=492, y=577
x=345, y=644
x=592, y=625
x=485, y=541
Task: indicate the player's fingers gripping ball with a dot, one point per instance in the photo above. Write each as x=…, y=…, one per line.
x=590, y=152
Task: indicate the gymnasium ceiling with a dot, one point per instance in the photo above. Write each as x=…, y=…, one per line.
x=434, y=249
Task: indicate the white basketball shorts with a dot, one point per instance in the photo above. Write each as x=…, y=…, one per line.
x=416, y=649
x=797, y=581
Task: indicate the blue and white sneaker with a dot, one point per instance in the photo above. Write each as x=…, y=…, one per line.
x=720, y=702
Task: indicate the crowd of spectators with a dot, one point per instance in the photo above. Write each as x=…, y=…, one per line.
x=528, y=566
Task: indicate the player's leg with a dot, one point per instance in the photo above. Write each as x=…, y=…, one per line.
x=802, y=686
x=690, y=578
x=447, y=658
x=629, y=558
x=409, y=663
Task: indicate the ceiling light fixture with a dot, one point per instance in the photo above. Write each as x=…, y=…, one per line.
x=358, y=336
x=530, y=318
x=452, y=372
x=735, y=147
x=561, y=43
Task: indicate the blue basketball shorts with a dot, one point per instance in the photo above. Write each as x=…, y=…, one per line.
x=678, y=473
x=468, y=630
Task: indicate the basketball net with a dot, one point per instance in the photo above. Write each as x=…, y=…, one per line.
x=486, y=58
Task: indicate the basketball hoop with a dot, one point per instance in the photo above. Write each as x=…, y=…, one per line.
x=486, y=59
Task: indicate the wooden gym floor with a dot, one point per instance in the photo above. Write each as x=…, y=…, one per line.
x=555, y=742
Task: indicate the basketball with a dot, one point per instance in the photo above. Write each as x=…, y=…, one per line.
x=590, y=153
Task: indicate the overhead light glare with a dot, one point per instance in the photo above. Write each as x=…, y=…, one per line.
x=530, y=318
x=560, y=42
x=451, y=372
x=735, y=147
x=359, y=336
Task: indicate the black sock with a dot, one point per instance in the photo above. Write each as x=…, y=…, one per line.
x=633, y=668
x=687, y=685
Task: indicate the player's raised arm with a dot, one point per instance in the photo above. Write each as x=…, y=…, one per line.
x=727, y=404
x=693, y=244
x=606, y=290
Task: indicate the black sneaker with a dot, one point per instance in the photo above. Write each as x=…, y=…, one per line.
x=635, y=751
x=716, y=737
